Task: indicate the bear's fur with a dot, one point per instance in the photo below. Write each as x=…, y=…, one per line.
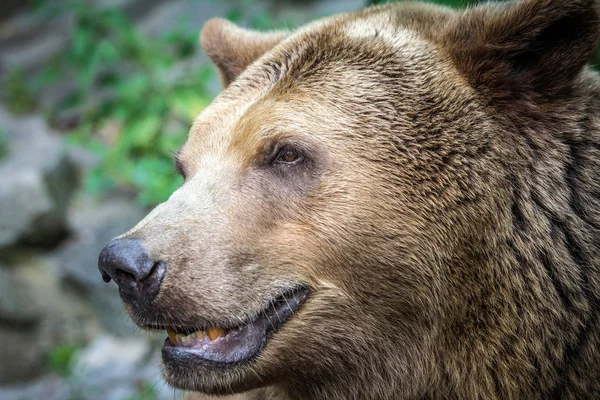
x=445, y=212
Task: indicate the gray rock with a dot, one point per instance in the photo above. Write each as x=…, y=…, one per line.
x=38, y=179
x=36, y=314
x=20, y=317
x=94, y=223
x=109, y=309
x=112, y=368
x=110, y=358
x=21, y=345
x=302, y=12
x=47, y=388
x=33, y=53
x=28, y=39
x=321, y=8
x=108, y=369
x=16, y=305
x=188, y=16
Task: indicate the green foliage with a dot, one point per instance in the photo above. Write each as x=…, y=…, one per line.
x=246, y=12
x=3, y=143
x=60, y=359
x=17, y=93
x=135, y=105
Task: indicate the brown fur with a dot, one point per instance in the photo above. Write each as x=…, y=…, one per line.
x=446, y=216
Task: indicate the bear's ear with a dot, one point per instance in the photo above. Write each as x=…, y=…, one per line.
x=524, y=45
x=233, y=48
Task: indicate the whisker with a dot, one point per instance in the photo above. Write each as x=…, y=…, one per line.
x=276, y=313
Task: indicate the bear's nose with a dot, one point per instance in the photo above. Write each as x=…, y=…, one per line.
x=129, y=265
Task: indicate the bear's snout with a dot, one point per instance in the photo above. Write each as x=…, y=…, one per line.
x=127, y=262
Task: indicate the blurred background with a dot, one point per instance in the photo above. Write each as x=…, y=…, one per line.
x=95, y=96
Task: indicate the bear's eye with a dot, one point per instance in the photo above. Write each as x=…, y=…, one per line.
x=288, y=156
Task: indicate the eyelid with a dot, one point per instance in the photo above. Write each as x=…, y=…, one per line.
x=283, y=143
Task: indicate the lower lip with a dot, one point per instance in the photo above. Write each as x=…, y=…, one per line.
x=185, y=358
x=236, y=346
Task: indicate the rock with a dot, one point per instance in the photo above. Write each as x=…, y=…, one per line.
x=114, y=368
x=20, y=317
x=47, y=388
x=333, y=7
x=109, y=358
x=110, y=311
x=28, y=39
x=33, y=53
x=187, y=16
x=102, y=372
x=16, y=306
x=302, y=12
x=21, y=345
x=94, y=224
x=38, y=179
x=36, y=315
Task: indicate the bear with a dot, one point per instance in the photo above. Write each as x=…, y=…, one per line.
x=401, y=202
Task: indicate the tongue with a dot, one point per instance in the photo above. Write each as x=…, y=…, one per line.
x=237, y=345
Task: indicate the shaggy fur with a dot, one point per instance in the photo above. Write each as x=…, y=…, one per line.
x=446, y=214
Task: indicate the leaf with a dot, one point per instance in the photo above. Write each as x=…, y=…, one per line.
x=453, y=3
x=140, y=132
x=18, y=95
x=107, y=52
x=235, y=14
x=96, y=181
x=82, y=42
x=133, y=89
x=3, y=143
x=157, y=179
x=187, y=105
x=60, y=359
x=48, y=75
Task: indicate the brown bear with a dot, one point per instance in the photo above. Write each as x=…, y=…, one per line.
x=395, y=203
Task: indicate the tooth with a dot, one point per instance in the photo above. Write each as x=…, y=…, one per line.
x=179, y=337
x=214, y=333
x=200, y=335
x=172, y=337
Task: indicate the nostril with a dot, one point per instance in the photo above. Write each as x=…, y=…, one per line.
x=124, y=276
x=158, y=271
x=151, y=284
x=153, y=270
x=105, y=277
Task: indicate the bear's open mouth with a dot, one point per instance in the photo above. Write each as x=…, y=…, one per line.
x=237, y=344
